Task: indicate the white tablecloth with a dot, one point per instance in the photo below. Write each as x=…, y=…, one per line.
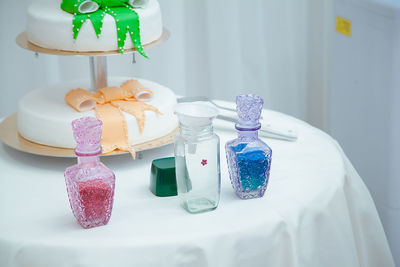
x=316, y=212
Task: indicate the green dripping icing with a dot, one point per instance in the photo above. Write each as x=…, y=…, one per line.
x=126, y=21
x=96, y=18
x=77, y=23
x=113, y=3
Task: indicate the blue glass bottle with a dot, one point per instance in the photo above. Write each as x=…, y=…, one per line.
x=249, y=158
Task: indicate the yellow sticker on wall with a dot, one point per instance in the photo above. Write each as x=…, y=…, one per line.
x=343, y=26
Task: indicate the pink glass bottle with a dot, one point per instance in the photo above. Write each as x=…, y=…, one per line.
x=90, y=184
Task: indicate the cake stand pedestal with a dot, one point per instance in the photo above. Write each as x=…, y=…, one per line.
x=98, y=71
x=98, y=64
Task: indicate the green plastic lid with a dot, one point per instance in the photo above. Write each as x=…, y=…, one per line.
x=162, y=178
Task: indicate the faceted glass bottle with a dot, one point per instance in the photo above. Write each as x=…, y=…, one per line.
x=197, y=153
x=249, y=158
x=90, y=184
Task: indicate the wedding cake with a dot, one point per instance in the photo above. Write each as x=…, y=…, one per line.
x=133, y=111
x=49, y=26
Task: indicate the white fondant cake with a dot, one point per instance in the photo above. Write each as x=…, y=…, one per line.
x=45, y=118
x=50, y=27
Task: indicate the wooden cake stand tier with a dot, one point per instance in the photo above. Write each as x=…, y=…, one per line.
x=9, y=135
x=23, y=42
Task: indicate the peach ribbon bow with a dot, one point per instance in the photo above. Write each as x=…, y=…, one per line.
x=109, y=102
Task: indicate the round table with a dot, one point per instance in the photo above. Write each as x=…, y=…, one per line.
x=316, y=212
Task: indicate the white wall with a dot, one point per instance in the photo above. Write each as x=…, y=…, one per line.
x=392, y=208
x=363, y=92
x=20, y=71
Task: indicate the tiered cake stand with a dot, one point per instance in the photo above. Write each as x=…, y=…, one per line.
x=98, y=67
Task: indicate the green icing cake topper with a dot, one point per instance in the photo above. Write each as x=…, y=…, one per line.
x=123, y=12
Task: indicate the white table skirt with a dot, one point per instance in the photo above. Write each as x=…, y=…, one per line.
x=316, y=212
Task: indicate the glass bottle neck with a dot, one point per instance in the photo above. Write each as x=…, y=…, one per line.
x=88, y=159
x=248, y=135
x=198, y=132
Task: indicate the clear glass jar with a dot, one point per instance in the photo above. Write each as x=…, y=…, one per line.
x=197, y=160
